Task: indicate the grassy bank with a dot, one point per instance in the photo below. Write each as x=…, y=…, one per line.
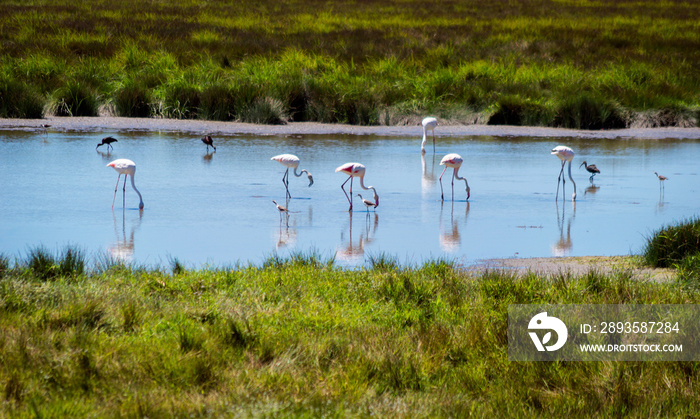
x=300, y=336
x=553, y=63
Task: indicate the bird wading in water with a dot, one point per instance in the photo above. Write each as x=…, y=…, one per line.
x=291, y=161
x=591, y=169
x=354, y=170
x=125, y=167
x=454, y=161
x=564, y=154
x=429, y=123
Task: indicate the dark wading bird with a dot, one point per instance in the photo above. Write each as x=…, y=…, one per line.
x=454, y=161
x=662, y=178
x=108, y=142
x=291, y=162
x=591, y=169
x=564, y=154
x=209, y=142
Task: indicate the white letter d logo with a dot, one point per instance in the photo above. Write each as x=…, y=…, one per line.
x=540, y=322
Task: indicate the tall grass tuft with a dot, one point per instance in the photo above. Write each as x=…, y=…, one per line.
x=217, y=103
x=18, y=100
x=45, y=266
x=181, y=100
x=4, y=265
x=587, y=111
x=265, y=110
x=133, y=99
x=671, y=244
x=74, y=99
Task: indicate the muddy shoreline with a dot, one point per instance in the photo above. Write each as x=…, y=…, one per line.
x=199, y=127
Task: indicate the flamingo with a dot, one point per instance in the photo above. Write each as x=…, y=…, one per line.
x=356, y=170
x=429, y=123
x=107, y=141
x=565, y=154
x=291, y=161
x=454, y=161
x=209, y=142
x=662, y=178
x=125, y=167
x=591, y=169
x=369, y=204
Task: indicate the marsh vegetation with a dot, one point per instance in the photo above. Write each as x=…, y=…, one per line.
x=299, y=335
x=555, y=63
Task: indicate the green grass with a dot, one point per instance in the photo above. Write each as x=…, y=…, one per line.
x=576, y=64
x=301, y=337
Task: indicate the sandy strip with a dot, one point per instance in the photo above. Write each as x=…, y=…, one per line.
x=576, y=266
x=198, y=127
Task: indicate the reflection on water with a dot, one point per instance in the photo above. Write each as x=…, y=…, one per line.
x=123, y=248
x=208, y=156
x=450, y=238
x=106, y=156
x=563, y=246
x=366, y=228
x=592, y=189
x=55, y=190
x=428, y=179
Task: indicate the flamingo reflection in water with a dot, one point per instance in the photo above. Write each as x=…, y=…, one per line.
x=353, y=251
x=123, y=248
x=563, y=246
x=450, y=238
x=428, y=178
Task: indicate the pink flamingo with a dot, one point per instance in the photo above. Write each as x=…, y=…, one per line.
x=429, y=123
x=356, y=170
x=291, y=161
x=125, y=167
x=565, y=154
x=454, y=161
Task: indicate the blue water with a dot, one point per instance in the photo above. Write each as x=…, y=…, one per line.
x=216, y=208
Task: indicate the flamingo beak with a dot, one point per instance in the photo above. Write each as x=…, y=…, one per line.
x=141, y=206
x=468, y=193
x=311, y=180
x=376, y=201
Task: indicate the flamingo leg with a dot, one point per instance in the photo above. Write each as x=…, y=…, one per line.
x=433, y=141
x=559, y=179
x=124, y=193
x=453, y=185
x=346, y=194
x=115, y=190
x=285, y=181
x=442, y=194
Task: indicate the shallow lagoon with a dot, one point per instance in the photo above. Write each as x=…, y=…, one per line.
x=215, y=208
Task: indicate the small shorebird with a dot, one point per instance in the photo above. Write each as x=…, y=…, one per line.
x=591, y=169
x=209, y=142
x=107, y=141
x=280, y=208
x=662, y=178
x=369, y=204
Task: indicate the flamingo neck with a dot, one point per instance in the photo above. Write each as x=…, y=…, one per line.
x=425, y=139
x=300, y=173
x=573, y=197
x=362, y=184
x=133, y=185
x=462, y=178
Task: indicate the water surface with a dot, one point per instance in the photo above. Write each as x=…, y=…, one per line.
x=216, y=208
